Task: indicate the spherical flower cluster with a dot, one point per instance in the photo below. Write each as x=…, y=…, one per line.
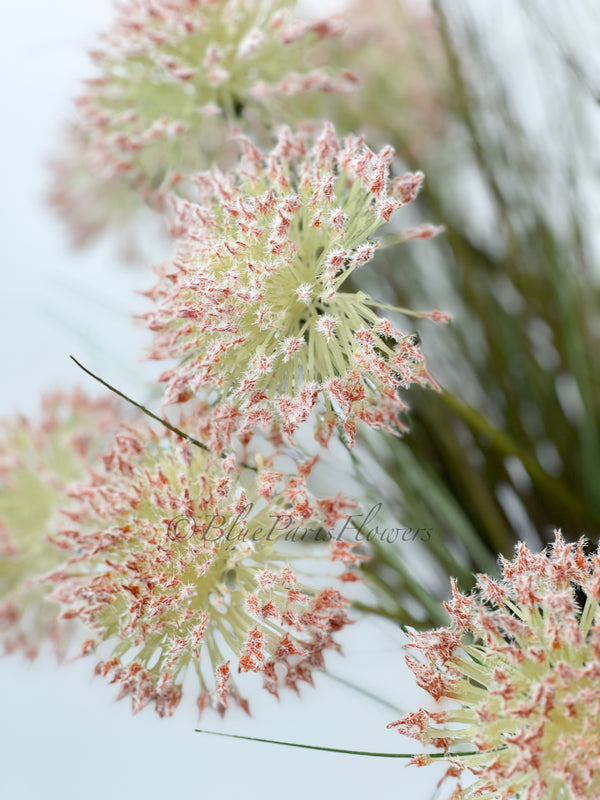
x=522, y=665
x=252, y=304
x=173, y=74
x=38, y=461
x=182, y=556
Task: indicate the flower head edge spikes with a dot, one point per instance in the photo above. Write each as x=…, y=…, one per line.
x=216, y=593
x=521, y=665
x=253, y=305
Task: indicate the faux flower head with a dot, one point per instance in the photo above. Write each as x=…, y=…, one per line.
x=183, y=558
x=38, y=461
x=173, y=76
x=521, y=666
x=257, y=305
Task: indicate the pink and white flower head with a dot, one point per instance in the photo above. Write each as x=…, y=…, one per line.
x=253, y=304
x=38, y=462
x=521, y=666
x=184, y=558
x=173, y=75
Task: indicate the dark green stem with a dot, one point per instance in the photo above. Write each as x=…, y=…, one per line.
x=334, y=749
x=508, y=446
x=143, y=408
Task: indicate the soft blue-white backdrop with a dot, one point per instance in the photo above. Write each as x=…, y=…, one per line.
x=62, y=736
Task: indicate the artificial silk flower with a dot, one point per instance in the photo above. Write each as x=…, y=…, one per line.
x=521, y=668
x=253, y=304
x=183, y=557
x=38, y=461
x=173, y=75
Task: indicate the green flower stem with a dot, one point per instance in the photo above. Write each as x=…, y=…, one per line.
x=385, y=553
x=331, y=749
x=142, y=408
x=506, y=445
x=399, y=615
x=576, y=307
x=469, y=483
x=416, y=589
x=420, y=479
x=430, y=603
x=464, y=108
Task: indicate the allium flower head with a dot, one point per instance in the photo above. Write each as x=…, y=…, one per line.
x=171, y=72
x=522, y=663
x=190, y=571
x=38, y=461
x=253, y=303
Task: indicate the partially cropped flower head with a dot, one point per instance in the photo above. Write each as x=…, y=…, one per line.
x=173, y=75
x=521, y=664
x=253, y=304
x=396, y=51
x=38, y=461
x=183, y=557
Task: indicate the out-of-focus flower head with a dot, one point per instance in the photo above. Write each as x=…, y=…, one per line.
x=90, y=206
x=173, y=75
x=183, y=556
x=521, y=664
x=395, y=49
x=253, y=303
x=38, y=461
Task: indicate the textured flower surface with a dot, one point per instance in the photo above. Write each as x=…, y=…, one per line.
x=253, y=303
x=173, y=74
x=38, y=461
x=190, y=571
x=522, y=665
